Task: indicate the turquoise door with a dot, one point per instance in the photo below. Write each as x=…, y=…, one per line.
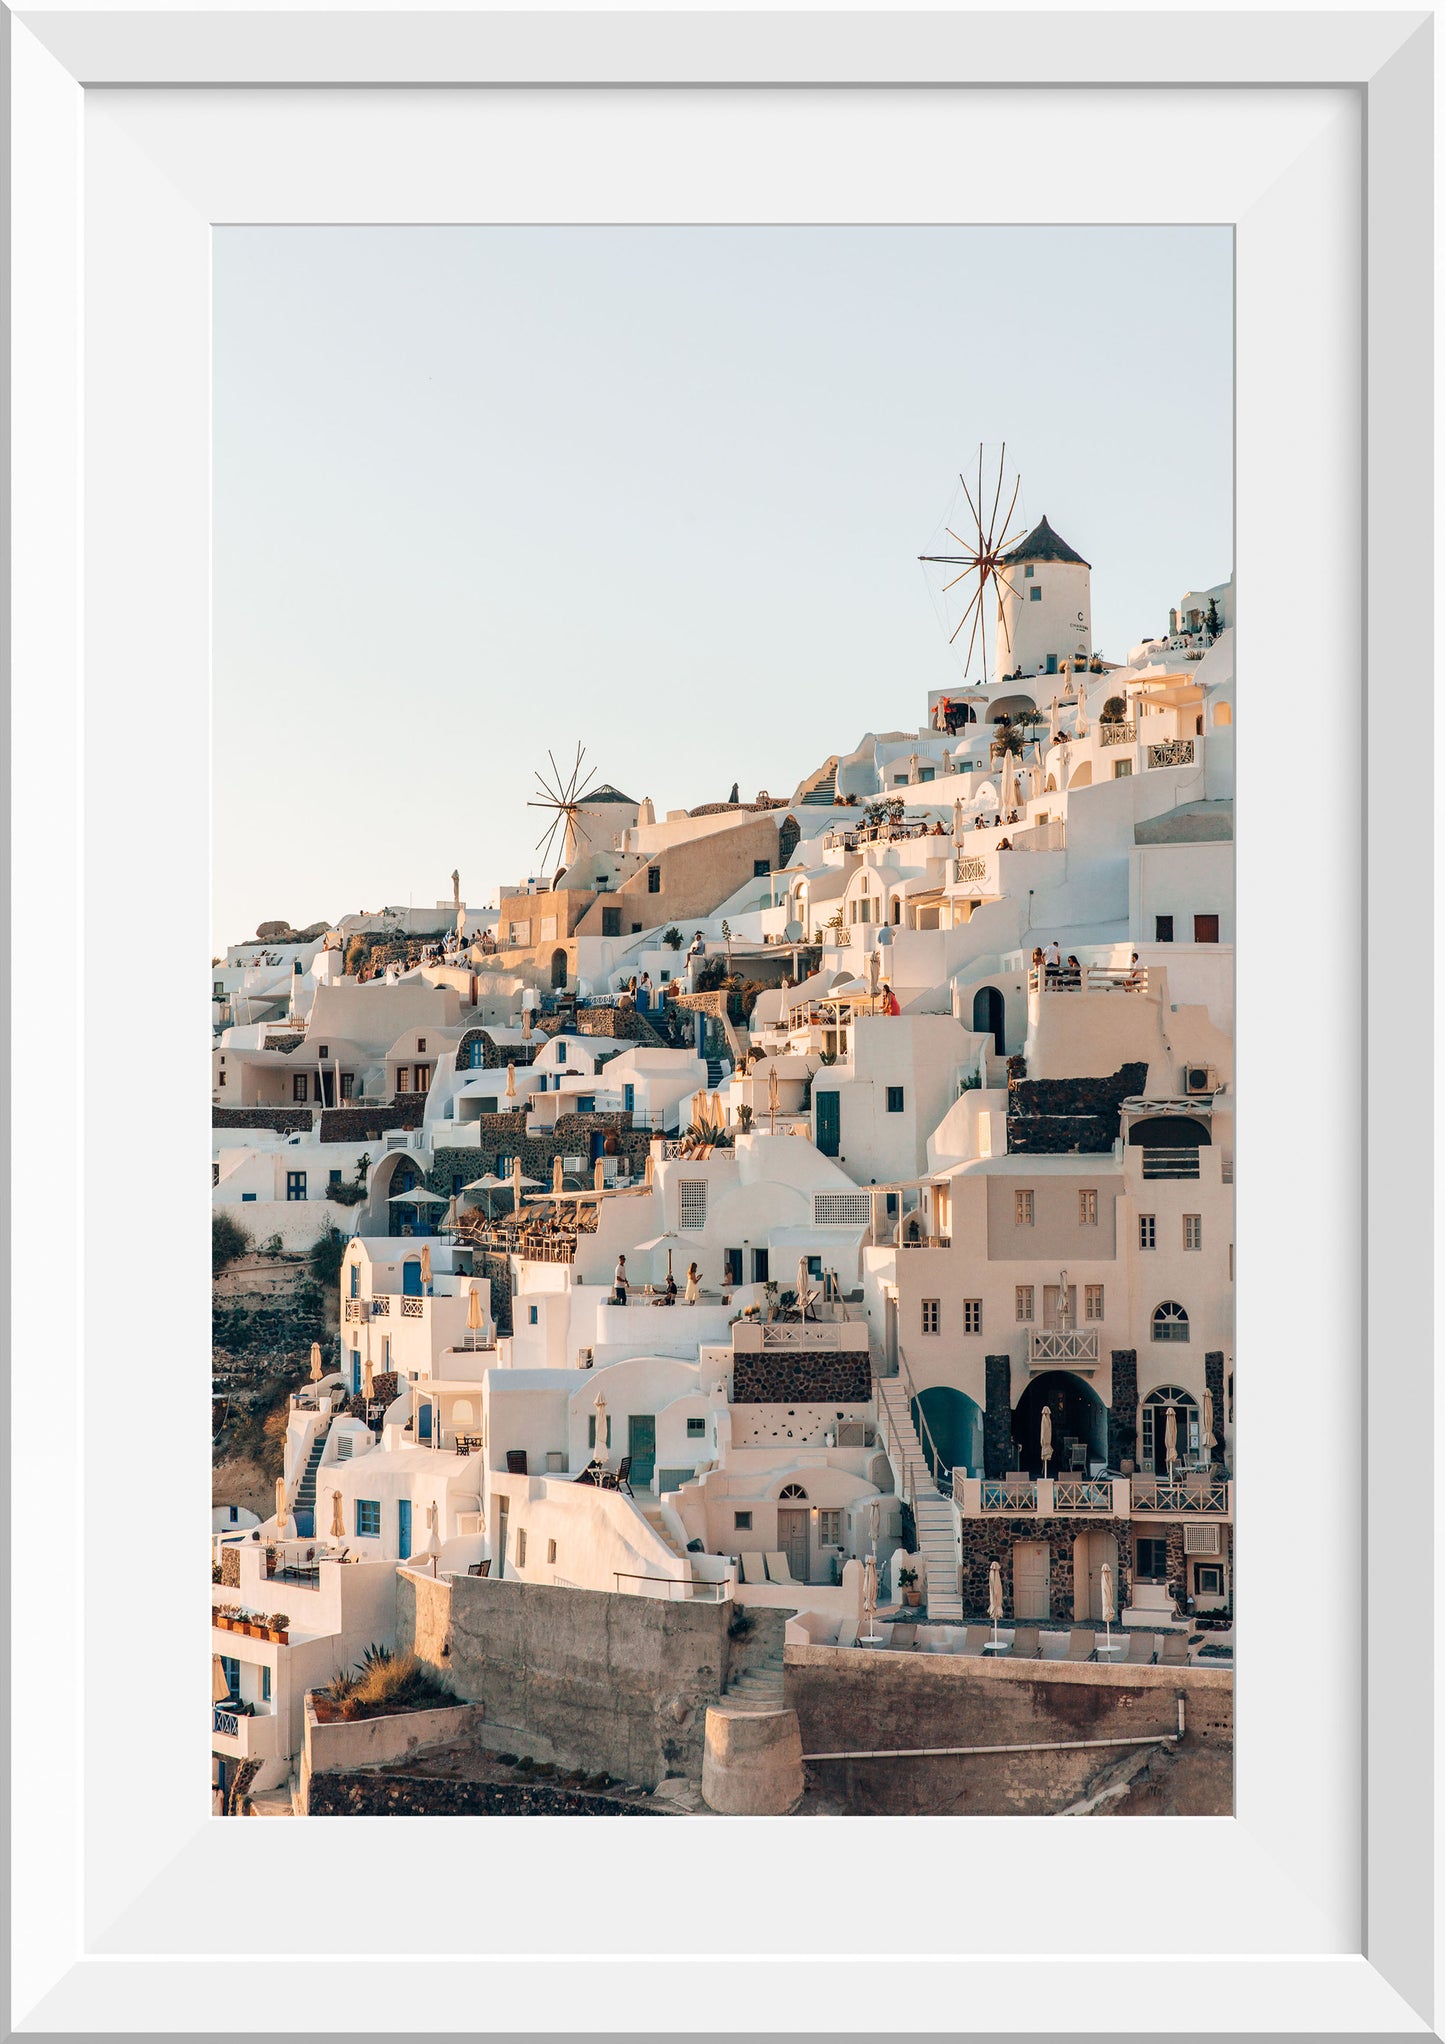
x=423, y=1421
x=356, y=1373
x=827, y=1106
x=642, y=1447
x=403, y=1528
x=411, y=1278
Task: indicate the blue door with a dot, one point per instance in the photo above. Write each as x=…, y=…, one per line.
x=423, y=1421
x=355, y=1276
x=411, y=1278
x=356, y=1373
x=827, y=1108
x=629, y=1096
x=403, y=1528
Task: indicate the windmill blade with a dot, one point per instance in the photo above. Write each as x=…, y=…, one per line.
x=964, y=619
x=1018, y=480
x=999, y=491
x=957, y=578
x=960, y=541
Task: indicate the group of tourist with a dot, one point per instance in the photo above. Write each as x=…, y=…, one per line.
x=621, y=1283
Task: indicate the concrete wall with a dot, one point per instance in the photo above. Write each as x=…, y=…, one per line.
x=583, y=1677
x=848, y=1701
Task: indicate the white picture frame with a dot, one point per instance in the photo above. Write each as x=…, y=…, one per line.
x=1314, y=1909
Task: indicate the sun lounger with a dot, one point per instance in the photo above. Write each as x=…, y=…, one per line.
x=1027, y=1645
x=1141, y=1650
x=1174, y=1650
x=778, y=1570
x=903, y=1638
x=1081, y=1646
x=753, y=1568
x=973, y=1639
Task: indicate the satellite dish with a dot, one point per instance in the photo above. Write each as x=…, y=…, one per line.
x=793, y=932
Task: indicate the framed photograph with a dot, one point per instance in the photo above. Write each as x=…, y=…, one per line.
x=839, y=1240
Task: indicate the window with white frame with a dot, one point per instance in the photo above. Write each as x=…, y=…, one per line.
x=1193, y=1231
x=692, y=1203
x=1146, y=1231
x=1023, y=1209
x=1023, y=1302
x=1089, y=1208
x=1093, y=1302
x=1170, y=1322
x=931, y=1316
x=973, y=1316
x=830, y=1528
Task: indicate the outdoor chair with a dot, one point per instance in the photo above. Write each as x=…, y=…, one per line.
x=1027, y=1645
x=1174, y=1650
x=1141, y=1650
x=753, y=1568
x=479, y=1568
x=903, y=1639
x=624, y=1471
x=1081, y=1645
x=778, y=1570
x=973, y=1640
x=516, y=1461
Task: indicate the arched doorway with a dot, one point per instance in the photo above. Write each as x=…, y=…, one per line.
x=1168, y=1132
x=955, y=1427
x=1154, y=1428
x=559, y=969
x=988, y=1015
x=789, y=831
x=1079, y=1416
x=1083, y=776
x=1091, y=1552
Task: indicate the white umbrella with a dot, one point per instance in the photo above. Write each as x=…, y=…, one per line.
x=668, y=1240
x=557, y=1174
x=487, y=1184
x=338, y=1524
x=995, y=1596
x=280, y=1508
x=1171, y=1438
x=1046, y=1438
x=870, y=1595
x=418, y=1196
x=511, y=1092
x=316, y=1371
x=600, y=1445
x=1106, y=1598
x=1208, y=1424
x=433, y=1538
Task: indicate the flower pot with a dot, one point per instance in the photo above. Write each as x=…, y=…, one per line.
x=277, y=1638
x=913, y=1598
x=254, y=1631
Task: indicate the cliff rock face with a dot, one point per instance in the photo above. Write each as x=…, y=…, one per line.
x=265, y=1313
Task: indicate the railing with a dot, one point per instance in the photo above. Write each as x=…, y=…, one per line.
x=1172, y=753
x=1182, y=1162
x=413, y=1309
x=926, y=1242
x=353, y=1309
x=940, y=1472
x=1009, y=1494
x=381, y=1305
x=1089, y=979
x=475, y=1341
x=1075, y=1345
x=1118, y=734
x=468, y=1444
x=1079, y=1494
x=1226, y=1170
x=225, y=1722
x=1164, y=1494
x=970, y=868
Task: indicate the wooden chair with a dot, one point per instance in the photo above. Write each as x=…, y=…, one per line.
x=624, y=1471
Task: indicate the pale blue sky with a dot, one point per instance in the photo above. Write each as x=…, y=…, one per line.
x=481, y=491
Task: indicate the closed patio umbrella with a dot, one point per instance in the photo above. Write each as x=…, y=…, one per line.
x=870, y=1596
x=1171, y=1438
x=316, y=1371
x=338, y=1524
x=433, y=1537
x=474, y=1310
x=220, y=1687
x=425, y=1265
x=599, y=1175
x=1208, y=1425
x=772, y=1095
x=366, y=1378
x=1046, y=1438
x=600, y=1446
x=1106, y=1598
x=995, y=1595
x=556, y=1174
x=511, y=1092
x=280, y=1508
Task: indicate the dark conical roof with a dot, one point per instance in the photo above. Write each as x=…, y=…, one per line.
x=1044, y=544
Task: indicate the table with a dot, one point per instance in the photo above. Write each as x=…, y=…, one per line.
x=997, y=1646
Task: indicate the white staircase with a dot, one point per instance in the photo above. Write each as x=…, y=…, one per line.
x=932, y=1512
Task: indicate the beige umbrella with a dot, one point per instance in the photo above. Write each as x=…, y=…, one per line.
x=338, y=1524
x=220, y=1687
x=772, y=1095
x=995, y=1595
x=433, y=1537
x=425, y=1264
x=600, y=1446
x=556, y=1174
x=647, y=1164
x=474, y=1310
x=316, y=1371
x=599, y=1175
x=1171, y=1438
x=511, y=1093
x=1046, y=1438
x=416, y=1196
x=281, y=1508
x=870, y=1596
x=1208, y=1424
x=366, y=1377
x=1106, y=1598
x=715, y=1111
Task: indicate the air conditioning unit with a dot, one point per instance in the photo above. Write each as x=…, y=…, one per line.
x=1201, y=1540
x=1201, y=1079
x=574, y=1164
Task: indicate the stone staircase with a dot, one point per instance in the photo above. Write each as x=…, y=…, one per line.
x=819, y=788
x=305, y=1498
x=758, y=1688
x=932, y=1512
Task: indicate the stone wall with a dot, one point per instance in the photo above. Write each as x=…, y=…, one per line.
x=370, y=1124
x=780, y=1376
x=1060, y=1135
x=1123, y=1405
x=992, y=1539
x=286, y=1121
x=399, y=1794
x=494, y=1057
x=1055, y=1117
x=998, y=1415
x=1214, y=1384
x=584, y=1678
x=848, y=1701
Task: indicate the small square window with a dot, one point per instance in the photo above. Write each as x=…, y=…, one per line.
x=931, y=1316
x=420, y=1045
x=1163, y=929
x=1089, y=1209
x=1146, y=1231
x=742, y=1522
x=323, y=1050
x=1023, y=1302
x=1036, y=594
x=368, y=1518
x=973, y=1316
x=895, y=1100
x=1028, y=571
x=1122, y=769
x=697, y=1428
x=1023, y=1209
x=1151, y=1560
x=333, y=1178
x=1193, y=1231
x=761, y=867
x=1208, y=1579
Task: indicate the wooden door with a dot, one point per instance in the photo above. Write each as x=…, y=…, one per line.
x=1031, y=1579
x=642, y=1447
x=793, y=1540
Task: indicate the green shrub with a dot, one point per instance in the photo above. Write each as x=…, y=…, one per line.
x=229, y=1241
x=326, y=1255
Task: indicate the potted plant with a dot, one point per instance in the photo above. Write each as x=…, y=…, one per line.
x=908, y=1583
x=278, y=1627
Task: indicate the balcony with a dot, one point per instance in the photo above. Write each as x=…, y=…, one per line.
x=1076, y=1348
x=1009, y=1494
x=1083, y=1494
x=413, y=1309
x=1118, y=734
x=1089, y=979
x=244, y=1737
x=1174, y=752
x=968, y=868
x=1193, y=1493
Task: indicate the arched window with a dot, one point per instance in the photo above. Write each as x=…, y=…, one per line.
x=1171, y=1322
x=1223, y=714
x=793, y=1491
x=1154, y=1427
x=897, y=909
